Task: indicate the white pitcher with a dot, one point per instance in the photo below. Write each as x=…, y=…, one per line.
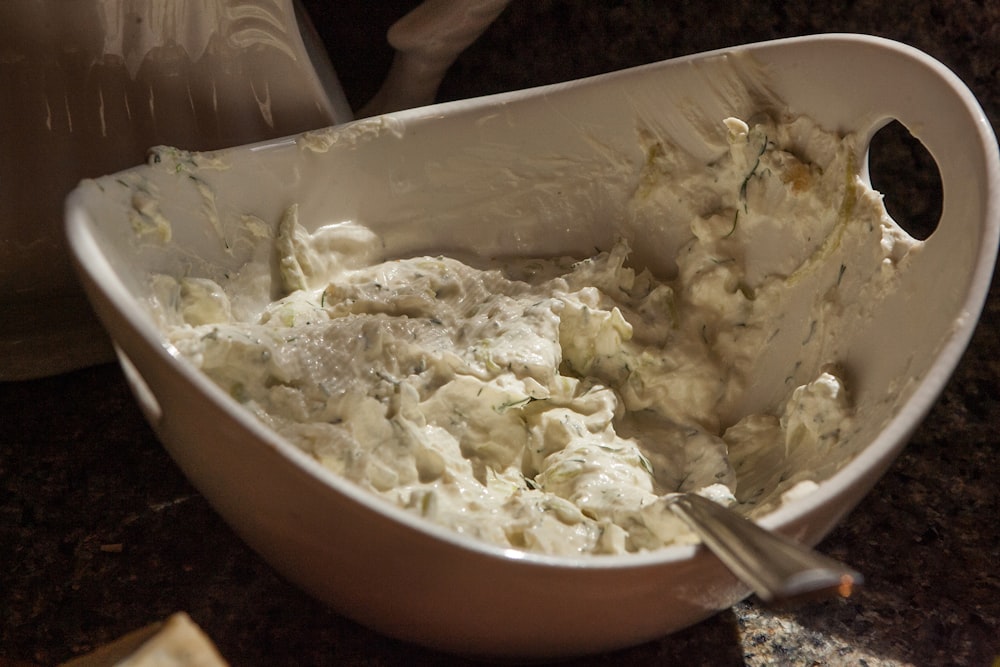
x=86, y=87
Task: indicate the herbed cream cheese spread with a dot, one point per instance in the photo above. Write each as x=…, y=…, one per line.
x=553, y=404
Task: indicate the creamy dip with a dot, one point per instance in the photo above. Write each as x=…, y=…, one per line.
x=553, y=404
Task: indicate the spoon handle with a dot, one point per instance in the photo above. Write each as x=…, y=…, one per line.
x=776, y=568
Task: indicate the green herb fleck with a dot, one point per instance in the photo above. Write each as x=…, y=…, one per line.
x=645, y=463
x=732, y=230
x=812, y=331
x=518, y=403
x=753, y=171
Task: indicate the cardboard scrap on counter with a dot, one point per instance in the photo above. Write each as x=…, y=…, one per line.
x=176, y=642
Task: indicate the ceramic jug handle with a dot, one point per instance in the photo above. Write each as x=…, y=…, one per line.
x=427, y=41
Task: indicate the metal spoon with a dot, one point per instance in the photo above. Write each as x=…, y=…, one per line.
x=775, y=567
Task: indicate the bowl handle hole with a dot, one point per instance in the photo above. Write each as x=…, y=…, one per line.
x=903, y=170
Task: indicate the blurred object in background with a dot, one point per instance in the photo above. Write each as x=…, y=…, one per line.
x=88, y=87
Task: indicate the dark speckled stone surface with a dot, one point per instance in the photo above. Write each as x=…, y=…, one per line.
x=100, y=534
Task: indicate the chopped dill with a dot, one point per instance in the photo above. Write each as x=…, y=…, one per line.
x=753, y=171
x=812, y=331
x=645, y=463
x=732, y=230
x=518, y=403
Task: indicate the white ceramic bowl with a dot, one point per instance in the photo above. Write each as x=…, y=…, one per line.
x=529, y=172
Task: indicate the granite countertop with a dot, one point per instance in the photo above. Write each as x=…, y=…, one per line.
x=100, y=534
